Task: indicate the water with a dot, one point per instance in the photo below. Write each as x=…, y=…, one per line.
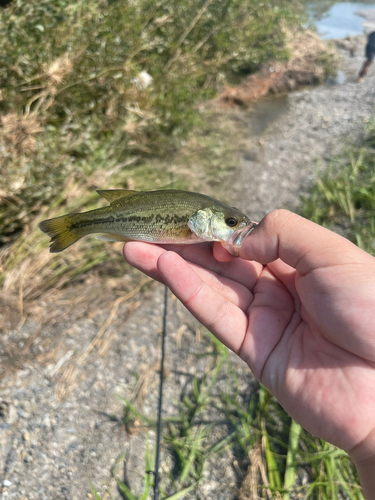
x=339, y=79
x=340, y=20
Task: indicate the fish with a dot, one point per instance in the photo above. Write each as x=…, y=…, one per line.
x=161, y=217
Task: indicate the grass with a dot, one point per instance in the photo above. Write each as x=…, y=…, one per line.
x=202, y=164
x=76, y=117
x=343, y=198
x=72, y=102
x=271, y=456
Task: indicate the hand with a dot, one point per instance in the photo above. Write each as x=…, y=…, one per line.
x=299, y=308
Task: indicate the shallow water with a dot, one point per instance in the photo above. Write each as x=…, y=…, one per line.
x=340, y=20
x=339, y=79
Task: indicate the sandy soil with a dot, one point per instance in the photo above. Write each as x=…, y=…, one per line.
x=60, y=419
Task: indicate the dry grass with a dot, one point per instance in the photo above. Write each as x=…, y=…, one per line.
x=57, y=70
x=49, y=289
x=255, y=476
x=19, y=132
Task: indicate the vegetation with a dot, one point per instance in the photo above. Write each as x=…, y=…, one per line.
x=76, y=114
x=343, y=199
x=76, y=93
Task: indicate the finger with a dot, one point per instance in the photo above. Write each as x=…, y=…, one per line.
x=218, y=314
x=269, y=316
x=239, y=270
x=221, y=254
x=285, y=274
x=298, y=242
x=144, y=256
x=231, y=290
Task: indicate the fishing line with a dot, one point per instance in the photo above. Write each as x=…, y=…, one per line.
x=159, y=421
x=161, y=384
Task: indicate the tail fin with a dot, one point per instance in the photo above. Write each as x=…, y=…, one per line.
x=59, y=230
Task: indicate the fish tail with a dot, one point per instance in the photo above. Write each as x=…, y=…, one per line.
x=59, y=230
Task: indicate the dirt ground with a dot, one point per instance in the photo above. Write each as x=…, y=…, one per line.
x=59, y=415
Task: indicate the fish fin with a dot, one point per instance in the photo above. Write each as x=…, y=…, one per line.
x=111, y=237
x=114, y=194
x=58, y=230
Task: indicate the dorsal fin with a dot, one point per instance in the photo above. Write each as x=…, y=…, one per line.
x=114, y=194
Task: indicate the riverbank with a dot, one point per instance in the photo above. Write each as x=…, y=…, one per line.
x=311, y=62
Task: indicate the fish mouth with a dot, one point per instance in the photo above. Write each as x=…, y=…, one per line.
x=238, y=237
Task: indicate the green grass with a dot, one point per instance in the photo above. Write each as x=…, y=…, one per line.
x=73, y=117
x=343, y=198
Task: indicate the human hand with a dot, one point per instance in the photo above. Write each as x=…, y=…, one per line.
x=299, y=308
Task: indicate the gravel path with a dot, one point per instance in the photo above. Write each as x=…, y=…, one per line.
x=60, y=418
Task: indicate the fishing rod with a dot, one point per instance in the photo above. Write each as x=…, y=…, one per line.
x=160, y=404
x=161, y=385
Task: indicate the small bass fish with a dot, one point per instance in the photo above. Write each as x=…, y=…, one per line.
x=167, y=216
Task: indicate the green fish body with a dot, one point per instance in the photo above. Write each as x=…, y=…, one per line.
x=166, y=216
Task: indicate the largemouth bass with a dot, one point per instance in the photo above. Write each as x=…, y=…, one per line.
x=167, y=216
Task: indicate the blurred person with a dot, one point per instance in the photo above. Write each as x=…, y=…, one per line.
x=298, y=307
x=369, y=54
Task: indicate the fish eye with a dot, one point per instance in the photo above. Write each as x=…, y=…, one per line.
x=231, y=221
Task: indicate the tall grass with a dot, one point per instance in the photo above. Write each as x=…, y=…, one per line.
x=76, y=115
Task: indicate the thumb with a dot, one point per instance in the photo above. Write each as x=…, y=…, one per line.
x=298, y=242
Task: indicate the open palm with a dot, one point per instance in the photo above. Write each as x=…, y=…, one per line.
x=299, y=308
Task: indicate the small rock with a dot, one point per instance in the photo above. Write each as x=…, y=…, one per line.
x=7, y=483
x=23, y=414
x=12, y=415
x=26, y=436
